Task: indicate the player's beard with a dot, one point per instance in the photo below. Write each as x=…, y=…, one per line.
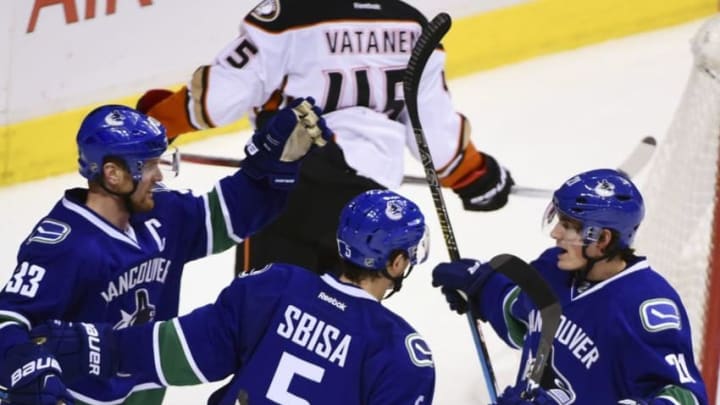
x=142, y=199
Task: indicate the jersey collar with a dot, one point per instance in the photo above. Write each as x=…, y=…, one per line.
x=347, y=289
x=640, y=265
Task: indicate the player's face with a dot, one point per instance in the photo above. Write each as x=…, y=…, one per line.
x=142, y=199
x=567, y=235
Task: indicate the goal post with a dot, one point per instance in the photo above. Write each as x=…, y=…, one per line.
x=710, y=349
x=681, y=231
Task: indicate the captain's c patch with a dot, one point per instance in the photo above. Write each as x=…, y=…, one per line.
x=659, y=314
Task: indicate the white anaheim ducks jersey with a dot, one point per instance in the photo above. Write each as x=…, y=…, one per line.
x=350, y=57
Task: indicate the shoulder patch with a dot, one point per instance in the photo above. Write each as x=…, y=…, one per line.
x=418, y=350
x=267, y=10
x=659, y=314
x=49, y=231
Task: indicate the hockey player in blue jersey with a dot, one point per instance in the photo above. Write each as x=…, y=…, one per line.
x=115, y=252
x=624, y=336
x=290, y=336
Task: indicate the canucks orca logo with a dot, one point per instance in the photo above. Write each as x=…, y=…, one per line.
x=394, y=209
x=419, y=350
x=553, y=382
x=659, y=314
x=50, y=231
x=144, y=311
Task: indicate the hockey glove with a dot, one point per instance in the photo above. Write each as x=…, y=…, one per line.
x=486, y=189
x=82, y=349
x=275, y=150
x=517, y=396
x=464, y=275
x=32, y=376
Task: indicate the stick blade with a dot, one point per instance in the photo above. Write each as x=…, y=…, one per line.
x=638, y=158
x=534, y=285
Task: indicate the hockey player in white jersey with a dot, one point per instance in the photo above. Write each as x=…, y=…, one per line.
x=624, y=336
x=350, y=56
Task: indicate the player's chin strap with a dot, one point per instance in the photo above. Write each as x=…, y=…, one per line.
x=397, y=281
x=581, y=274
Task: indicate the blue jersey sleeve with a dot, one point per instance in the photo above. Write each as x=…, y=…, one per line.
x=209, y=343
x=236, y=207
x=504, y=305
x=402, y=373
x=655, y=359
x=45, y=282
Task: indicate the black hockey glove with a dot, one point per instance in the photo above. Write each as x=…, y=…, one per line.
x=32, y=376
x=488, y=190
x=275, y=150
x=464, y=275
x=82, y=349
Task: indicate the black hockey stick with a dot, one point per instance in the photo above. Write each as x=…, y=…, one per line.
x=424, y=47
x=532, y=284
x=631, y=166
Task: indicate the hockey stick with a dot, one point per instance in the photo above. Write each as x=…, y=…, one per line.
x=631, y=166
x=539, y=291
x=407, y=179
x=426, y=44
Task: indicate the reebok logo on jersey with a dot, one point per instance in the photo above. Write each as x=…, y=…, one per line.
x=659, y=314
x=50, y=231
x=332, y=301
x=366, y=6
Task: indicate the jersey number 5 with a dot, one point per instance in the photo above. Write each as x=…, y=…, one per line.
x=287, y=368
x=242, y=54
x=19, y=285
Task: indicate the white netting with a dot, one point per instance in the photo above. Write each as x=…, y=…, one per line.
x=680, y=188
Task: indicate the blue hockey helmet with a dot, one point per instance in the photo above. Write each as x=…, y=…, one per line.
x=377, y=223
x=600, y=199
x=121, y=132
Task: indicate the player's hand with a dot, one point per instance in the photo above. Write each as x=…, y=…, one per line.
x=465, y=275
x=275, y=150
x=487, y=188
x=32, y=376
x=517, y=396
x=82, y=349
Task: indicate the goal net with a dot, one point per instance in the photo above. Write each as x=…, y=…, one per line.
x=680, y=231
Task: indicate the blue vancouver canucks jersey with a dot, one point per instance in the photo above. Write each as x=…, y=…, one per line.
x=627, y=337
x=76, y=266
x=288, y=336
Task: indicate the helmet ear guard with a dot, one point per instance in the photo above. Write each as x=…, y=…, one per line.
x=119, y=132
